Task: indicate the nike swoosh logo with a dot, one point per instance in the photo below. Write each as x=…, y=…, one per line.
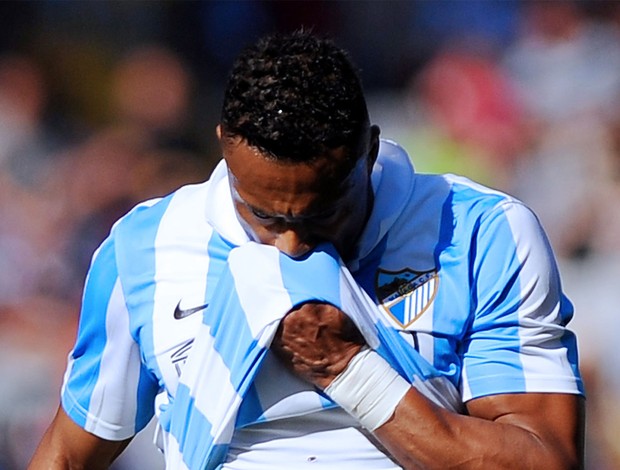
x=180, y=313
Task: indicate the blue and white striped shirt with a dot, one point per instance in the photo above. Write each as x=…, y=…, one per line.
x=463, y=273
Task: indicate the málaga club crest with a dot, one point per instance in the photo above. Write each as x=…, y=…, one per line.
x=405, y=294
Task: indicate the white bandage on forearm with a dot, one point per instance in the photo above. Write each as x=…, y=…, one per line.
x=368, y=389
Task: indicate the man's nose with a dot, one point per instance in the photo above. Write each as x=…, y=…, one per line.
x=294, y=242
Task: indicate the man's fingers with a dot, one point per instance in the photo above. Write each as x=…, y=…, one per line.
x=317, y=341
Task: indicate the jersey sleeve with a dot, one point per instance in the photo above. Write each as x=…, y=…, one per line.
x=106, y=388
x=518, y=340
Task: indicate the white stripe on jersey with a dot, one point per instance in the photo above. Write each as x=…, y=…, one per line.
x=537, y=329
x=185, y=270
x=172, y=454
x=267, y=304
x=117, y=319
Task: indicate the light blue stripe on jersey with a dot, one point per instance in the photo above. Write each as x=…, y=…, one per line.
x=250, y=411
x=499, y=312
x=227, y=339
x=218, y=250
x=138, y=232
x=494, y=265
x=569, y=341
x=320, y=282
x=91, y=342
x=193, y=432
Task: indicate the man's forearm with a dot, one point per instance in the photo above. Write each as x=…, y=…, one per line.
x=543, y=431
x=66, y=446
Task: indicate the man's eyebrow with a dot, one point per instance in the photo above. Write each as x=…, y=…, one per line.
x=256, y=210
x=314, y=215
x=259, y=211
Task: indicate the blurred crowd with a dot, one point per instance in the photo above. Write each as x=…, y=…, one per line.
x=105, y=104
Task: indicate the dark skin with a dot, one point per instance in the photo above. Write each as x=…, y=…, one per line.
x=294, y=207
x=65, y=445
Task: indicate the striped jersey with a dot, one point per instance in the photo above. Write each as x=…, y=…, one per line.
x=229, y=386
x=463, y=273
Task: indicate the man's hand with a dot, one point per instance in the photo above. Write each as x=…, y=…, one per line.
x=317, y=341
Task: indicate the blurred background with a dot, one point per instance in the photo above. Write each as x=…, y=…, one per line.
x=106, y=103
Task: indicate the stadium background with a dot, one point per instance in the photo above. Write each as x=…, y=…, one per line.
x=103, y=104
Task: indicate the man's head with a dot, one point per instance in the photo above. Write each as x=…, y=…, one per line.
x=294, y=96
x=296, y=136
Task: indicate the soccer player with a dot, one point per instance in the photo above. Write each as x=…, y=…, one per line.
x=461, y=274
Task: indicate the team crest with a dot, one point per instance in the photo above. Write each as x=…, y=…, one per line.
x=405, y=294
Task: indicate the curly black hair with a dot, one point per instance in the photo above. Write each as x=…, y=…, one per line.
x=293, y=96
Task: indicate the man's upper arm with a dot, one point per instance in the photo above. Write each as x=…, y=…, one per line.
x=66, y=445
x=557, y=420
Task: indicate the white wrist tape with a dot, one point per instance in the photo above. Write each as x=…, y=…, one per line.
x=368, y=389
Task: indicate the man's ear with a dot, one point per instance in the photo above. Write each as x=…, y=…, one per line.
x=218, y=132
x=373, y=148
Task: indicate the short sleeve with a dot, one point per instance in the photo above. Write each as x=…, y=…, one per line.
x=518, y=340
x=106, y=388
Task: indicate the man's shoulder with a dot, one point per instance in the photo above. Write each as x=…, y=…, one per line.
x=164, y=238
x=457, y=193
x=394, y=158
x=441, y=209
x=149, y=212
x=398, y=171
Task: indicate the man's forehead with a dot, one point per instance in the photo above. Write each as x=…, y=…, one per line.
x=325, y=179
x=248, y=162
x=290, y=211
